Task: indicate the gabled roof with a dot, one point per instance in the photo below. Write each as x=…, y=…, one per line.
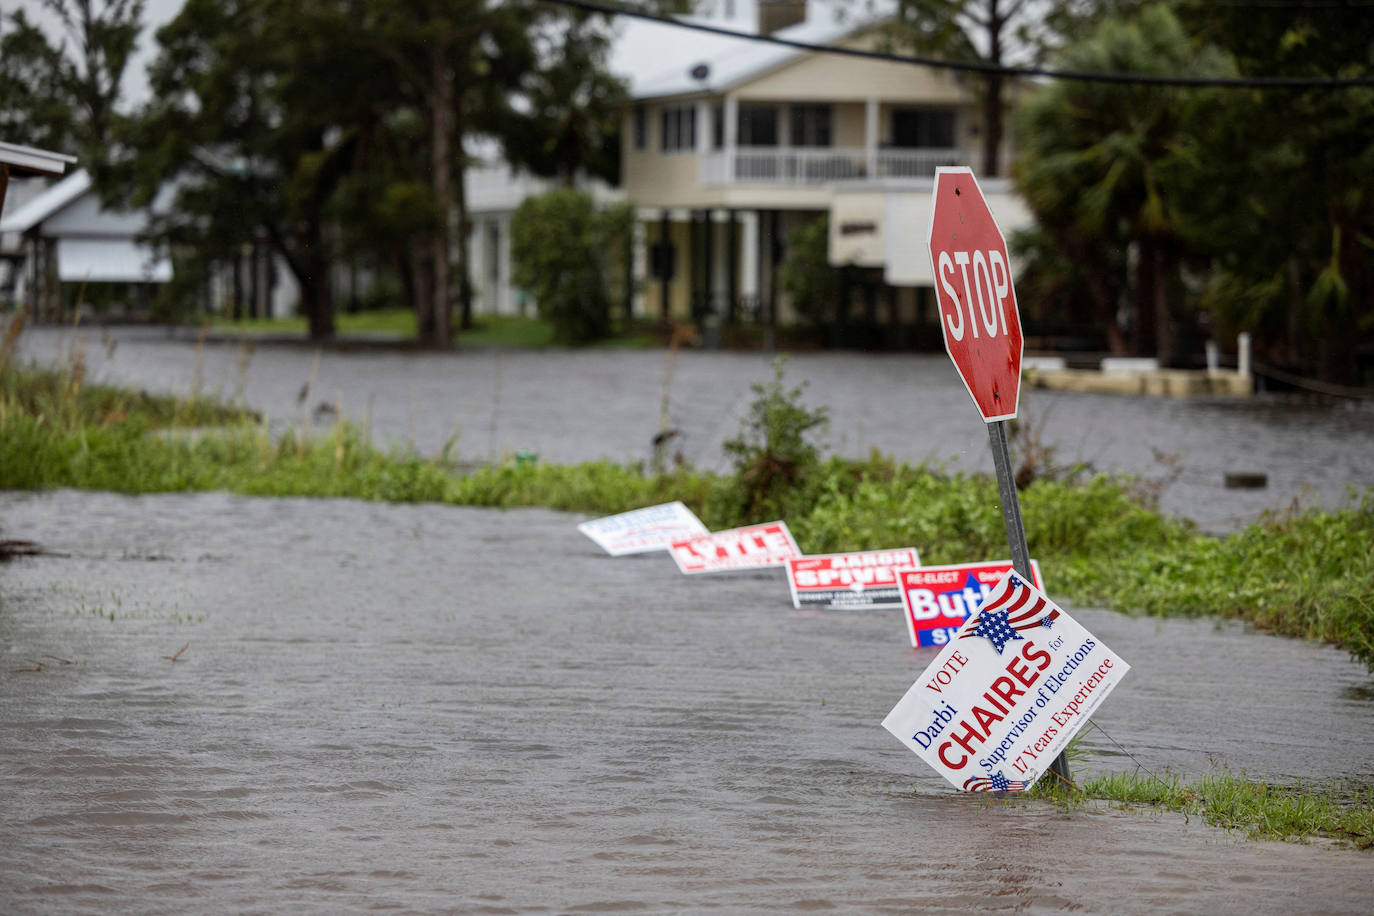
x=657, y=58
x=30, y=160
x=50, y=202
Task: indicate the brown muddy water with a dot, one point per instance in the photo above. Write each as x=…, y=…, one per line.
x=438, y=709
x=570, y=406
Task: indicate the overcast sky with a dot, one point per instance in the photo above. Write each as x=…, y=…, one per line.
x=156, y=13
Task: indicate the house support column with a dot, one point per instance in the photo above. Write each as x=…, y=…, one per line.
x=708, y=265
x=731, y=266
x=774, y=259
x=871, y=136
x=665, y=263
x=730, y=133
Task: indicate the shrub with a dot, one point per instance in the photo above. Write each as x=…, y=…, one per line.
x=567, y=253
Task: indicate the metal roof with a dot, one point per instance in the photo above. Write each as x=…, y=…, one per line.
x=51, y=201
x=30, y=160
x=658, y=58
x=110, y=261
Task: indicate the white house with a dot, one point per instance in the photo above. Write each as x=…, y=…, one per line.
x=731, y=145
x=31, y=165
x=68, y=241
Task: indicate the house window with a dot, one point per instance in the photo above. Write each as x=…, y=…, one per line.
x=810, y=125
x=679, y=128
x=923, y=127
x=641, y=127
x=717, y=126
x=758, y=125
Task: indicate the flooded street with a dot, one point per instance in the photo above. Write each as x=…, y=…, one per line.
x=581, y=405
x=212, y=703
x=439, y=709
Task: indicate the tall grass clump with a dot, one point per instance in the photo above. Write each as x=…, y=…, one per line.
x=774, y=456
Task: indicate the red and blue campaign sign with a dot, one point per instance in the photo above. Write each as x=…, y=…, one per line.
x=750, y=547
x=1002, y=699
x=938, y=599
x=643, y=530
x=852, y=580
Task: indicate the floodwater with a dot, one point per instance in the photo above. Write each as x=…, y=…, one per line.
x=439, y=709
x=571, y=405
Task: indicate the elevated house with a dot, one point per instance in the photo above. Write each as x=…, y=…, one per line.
x=730, y=146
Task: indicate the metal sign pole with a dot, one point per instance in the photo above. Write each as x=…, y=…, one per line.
x=1016, y=530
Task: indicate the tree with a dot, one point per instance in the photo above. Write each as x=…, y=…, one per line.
x=996, y=34
x=1286, y=212
x=567, y=124
x=1103, y=166
x=103, y=36
x=240, y=122
x=34, y=106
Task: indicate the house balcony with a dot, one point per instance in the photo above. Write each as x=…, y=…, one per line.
x=815, y=166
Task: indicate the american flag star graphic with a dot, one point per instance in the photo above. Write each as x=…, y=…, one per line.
x=995, y=627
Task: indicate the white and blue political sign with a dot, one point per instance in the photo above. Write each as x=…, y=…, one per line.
x=643, y=530
x=1007, y=693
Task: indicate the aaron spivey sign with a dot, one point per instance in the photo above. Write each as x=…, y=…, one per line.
x=1007, y=694
x=850, y=580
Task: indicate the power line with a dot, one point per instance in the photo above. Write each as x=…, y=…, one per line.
x=984, y=68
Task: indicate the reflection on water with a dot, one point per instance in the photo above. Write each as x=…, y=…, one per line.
x=571, y=406
x=431, y=708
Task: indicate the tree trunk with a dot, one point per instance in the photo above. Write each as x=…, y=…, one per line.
x=992, y=126
x=1163, y=314
x=1142, y=300
x=441, y=171
x=464, y=223
x=992, y=96
x=316, y=299
x=310, y=266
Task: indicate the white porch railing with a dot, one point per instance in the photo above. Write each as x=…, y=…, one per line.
x=820, y=165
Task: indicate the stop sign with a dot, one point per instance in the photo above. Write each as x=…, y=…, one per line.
x=978, y=314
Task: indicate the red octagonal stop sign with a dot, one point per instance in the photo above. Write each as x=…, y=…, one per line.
x=978, y=313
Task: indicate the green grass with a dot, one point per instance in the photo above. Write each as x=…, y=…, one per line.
x=1262, y=810
x=487, y=330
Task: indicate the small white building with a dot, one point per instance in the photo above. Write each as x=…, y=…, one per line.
x=68, y=241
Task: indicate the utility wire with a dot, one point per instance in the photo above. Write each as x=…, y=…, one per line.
x=984, y=68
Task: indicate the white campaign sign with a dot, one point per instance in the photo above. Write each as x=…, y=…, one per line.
x=643, y=530
x=1007, y=694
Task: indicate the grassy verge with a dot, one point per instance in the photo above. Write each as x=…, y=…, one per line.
x=487, y=331
x=1309, y=575
x=1262, y=810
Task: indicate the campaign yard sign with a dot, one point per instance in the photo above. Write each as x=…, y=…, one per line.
x=850, y=580
x=643, y=530
x=750, y=547
x=1007, y=694
x=938, y=599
